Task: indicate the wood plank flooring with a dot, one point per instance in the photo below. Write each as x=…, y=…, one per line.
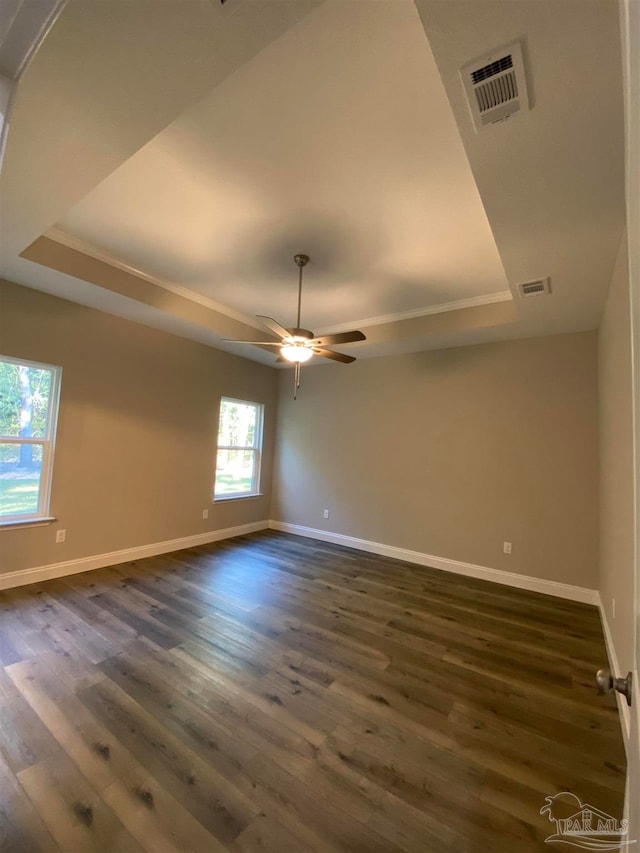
x=276, y=694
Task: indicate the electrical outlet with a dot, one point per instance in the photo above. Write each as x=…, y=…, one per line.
x=506, y=547
x=205, y=513
x=61, y=535
x=325, y=514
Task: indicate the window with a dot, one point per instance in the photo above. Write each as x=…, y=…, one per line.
x=239, y=449
x=28, y=416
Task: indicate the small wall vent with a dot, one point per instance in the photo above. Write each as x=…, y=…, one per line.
x=541, y=287
x=495, y=86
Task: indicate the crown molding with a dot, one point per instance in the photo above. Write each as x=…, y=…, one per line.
x=440, y=308
x=71, y=242
x=23, y=27
x=92, y=251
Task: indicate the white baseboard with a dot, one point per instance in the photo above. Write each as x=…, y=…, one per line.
x=99, y=561
x=623, y=709
x=560, y=590
x=112, y=558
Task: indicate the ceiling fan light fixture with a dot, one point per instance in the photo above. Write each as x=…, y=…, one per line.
x=298, y=345
x=296, y=352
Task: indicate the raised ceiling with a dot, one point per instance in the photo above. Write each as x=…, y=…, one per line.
x=336, y=140
x=174, y=175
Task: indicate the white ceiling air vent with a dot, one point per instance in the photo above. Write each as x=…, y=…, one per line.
x=541, y=287
x=495, y=85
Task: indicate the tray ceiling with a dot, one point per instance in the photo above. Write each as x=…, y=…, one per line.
x=168, y=174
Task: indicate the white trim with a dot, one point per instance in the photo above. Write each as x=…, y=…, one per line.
x=99, y=561
x=98, y=254
x=623, y=709
x=32, y=34
x=630, y=37
x=28, y=521
x=256, y=448
x=560, y=590
x=441, y=308
x=238, y=497
x=8, y=89
x=48, y=442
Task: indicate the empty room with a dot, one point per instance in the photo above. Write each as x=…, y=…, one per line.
x=319, y=426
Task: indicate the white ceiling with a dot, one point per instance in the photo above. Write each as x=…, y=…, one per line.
x=333, y=128
x=337, y=140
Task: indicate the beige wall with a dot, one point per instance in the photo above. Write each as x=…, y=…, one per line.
x=616, y=463
x=137, y=430
x=452, y=452
x=448, y=452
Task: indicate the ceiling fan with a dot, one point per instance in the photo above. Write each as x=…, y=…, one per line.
x=299, y=345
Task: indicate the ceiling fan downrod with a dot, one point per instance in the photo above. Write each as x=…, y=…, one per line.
x=302, y=261
x=299, y=345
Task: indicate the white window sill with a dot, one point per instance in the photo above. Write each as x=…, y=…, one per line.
x=27, y=522
x=237, y=497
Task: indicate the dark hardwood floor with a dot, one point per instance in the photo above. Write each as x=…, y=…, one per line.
x=276, y=694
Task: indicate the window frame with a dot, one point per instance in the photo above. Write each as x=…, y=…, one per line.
x=256, y=449
x=47, y=442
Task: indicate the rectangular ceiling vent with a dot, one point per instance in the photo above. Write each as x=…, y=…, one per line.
x=495, y=86
x=541, y=287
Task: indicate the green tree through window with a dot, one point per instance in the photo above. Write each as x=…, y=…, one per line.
x=28, y=413
x=239, y=448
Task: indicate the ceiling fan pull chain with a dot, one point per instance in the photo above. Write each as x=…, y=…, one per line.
x=296, y=380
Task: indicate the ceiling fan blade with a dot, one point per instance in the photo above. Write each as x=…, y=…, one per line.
x=340, y=338
x=336, y=356
x=275, y=327
x=255, y=343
